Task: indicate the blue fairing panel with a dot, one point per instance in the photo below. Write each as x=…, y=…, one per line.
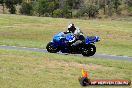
x=92, y=39
x=58, y=37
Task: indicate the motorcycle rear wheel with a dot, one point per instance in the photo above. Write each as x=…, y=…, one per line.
x=89, y=50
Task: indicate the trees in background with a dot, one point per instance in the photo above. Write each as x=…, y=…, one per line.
x=26, y=8
x=113, y=6
x=102, y=5
x=46, y=7
x=73, y=4
x=51, y=8
x=67, y=8
x=41, y=7
x=129, y=6
x=10, y=4
x=89, y=10
x=2, y=3
x=129, y=2
x=116, y=4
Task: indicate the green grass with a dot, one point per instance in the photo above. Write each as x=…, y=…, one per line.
x=20, y=69
x=30, y=31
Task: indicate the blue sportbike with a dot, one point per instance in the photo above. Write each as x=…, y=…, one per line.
x=62, y=43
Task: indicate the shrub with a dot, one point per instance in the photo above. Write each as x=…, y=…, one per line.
x=58, y=13
x=67, y=13
x=26, y=8
x=90, y=10
x=62, y=13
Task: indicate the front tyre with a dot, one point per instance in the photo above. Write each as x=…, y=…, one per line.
x=89, y=50
x=52, y=48
x=85, y=81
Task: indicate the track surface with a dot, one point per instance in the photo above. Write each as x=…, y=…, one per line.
x=45, y=51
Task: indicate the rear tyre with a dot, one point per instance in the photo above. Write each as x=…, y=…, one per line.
x=89, y=50
x=52, y=48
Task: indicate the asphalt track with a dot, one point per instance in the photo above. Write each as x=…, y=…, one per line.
x=103, y=56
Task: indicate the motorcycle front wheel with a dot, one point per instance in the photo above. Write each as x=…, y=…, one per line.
x=52, y=48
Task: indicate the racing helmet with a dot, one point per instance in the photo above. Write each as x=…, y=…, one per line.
x=71, y=27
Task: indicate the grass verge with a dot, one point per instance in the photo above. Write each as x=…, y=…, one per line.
x=22, y=69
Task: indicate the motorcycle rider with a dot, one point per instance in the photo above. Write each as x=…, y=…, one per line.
x=79, y=36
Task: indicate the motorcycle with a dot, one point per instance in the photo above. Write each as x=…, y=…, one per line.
x=62, y=42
